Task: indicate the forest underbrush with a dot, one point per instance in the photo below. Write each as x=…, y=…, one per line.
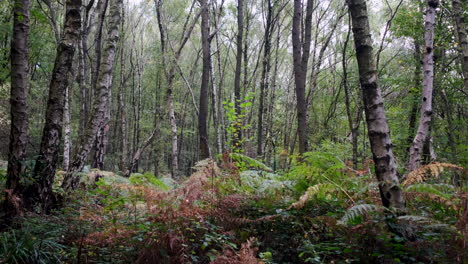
x=237, y=210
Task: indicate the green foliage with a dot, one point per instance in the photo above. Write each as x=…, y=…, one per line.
x=244, y=162
x=316, y=167
x=236, y=121
x=148, y=179
x=38, y=241
x=445, y=191
x=358, y=211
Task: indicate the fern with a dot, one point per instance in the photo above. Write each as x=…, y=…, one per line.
x=435, y=189
x=248, y=162
x=148, y=179
x=357, y=211
x=319, y=190
x=431, y=170
x=416, y=219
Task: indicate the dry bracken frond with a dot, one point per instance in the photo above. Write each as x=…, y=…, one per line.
x=430, y=170
x=312, y=190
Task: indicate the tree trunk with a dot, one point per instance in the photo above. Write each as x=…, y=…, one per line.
x=170, y=74
x=301, y=52
x=416, y=148
x=354, y=129
x=237, y=135
x=46, y=163
x=203, y=112
x=458, y=16
x=414, y=94
x=139, y=151
x=67, y=130
x=101, y=102
x=18, y=108
x=264, y=85
x=378, y=130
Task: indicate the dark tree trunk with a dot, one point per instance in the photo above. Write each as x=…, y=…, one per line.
x=264, y=85
x=101, y=102
x=237, y=137
x=18, y=108
x=378, y=130
x=301, y=52
x=458, y=16
x=46, y=163
x=353, y=127
x=203, y=112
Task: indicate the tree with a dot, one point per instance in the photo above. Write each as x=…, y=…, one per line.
x=170, y=73
x=46, y=163
x=461, y=34
x=237, y=137
x=18, y=107
x=203, y=112
x=378, y=130
x=301, y=52
x=264, y=82
x=101, y=101
x=425, y=119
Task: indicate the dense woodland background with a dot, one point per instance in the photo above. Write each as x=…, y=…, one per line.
x=294, y=89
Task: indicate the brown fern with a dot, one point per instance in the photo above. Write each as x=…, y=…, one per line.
x=430, y=170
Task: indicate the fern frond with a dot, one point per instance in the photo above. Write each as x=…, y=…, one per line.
x=429, y=170
x=435, y=189
x=416, y=218
x=251, y=163
x=359, y=210
x=311, y=191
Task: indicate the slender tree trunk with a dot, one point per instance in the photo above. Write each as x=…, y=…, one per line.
x=301, y=52
x=422, y=134
x=457, y=9
x=264, y=85
x=414, y=94
x=82, y=77
x=137, y=155
x=202, y=116
x=218, y=91
x=123, y=113
x=237, y=137
x=66, y=138
x=170, y=74
x=46, y=163
x=378, y=130
x=354, y=130
x=18, y=108
x=101, y=102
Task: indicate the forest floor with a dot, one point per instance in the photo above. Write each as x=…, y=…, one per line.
x=320, y=211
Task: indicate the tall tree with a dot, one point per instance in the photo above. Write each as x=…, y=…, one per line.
x=378, y=130
x=457, y=9
x=203, y=112
x=425, y=119
x=46, y=163
x=301, y=52
x=237, y=137
x=101, y=101
x=18, y=107
x=170, y=74
x=265, y=79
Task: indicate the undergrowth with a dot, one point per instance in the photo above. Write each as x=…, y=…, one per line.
x=320, y=211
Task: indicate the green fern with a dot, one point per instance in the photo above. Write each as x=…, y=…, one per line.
x=320, y=190
x=442, y=190
x=357, y=211
x=247, y=162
